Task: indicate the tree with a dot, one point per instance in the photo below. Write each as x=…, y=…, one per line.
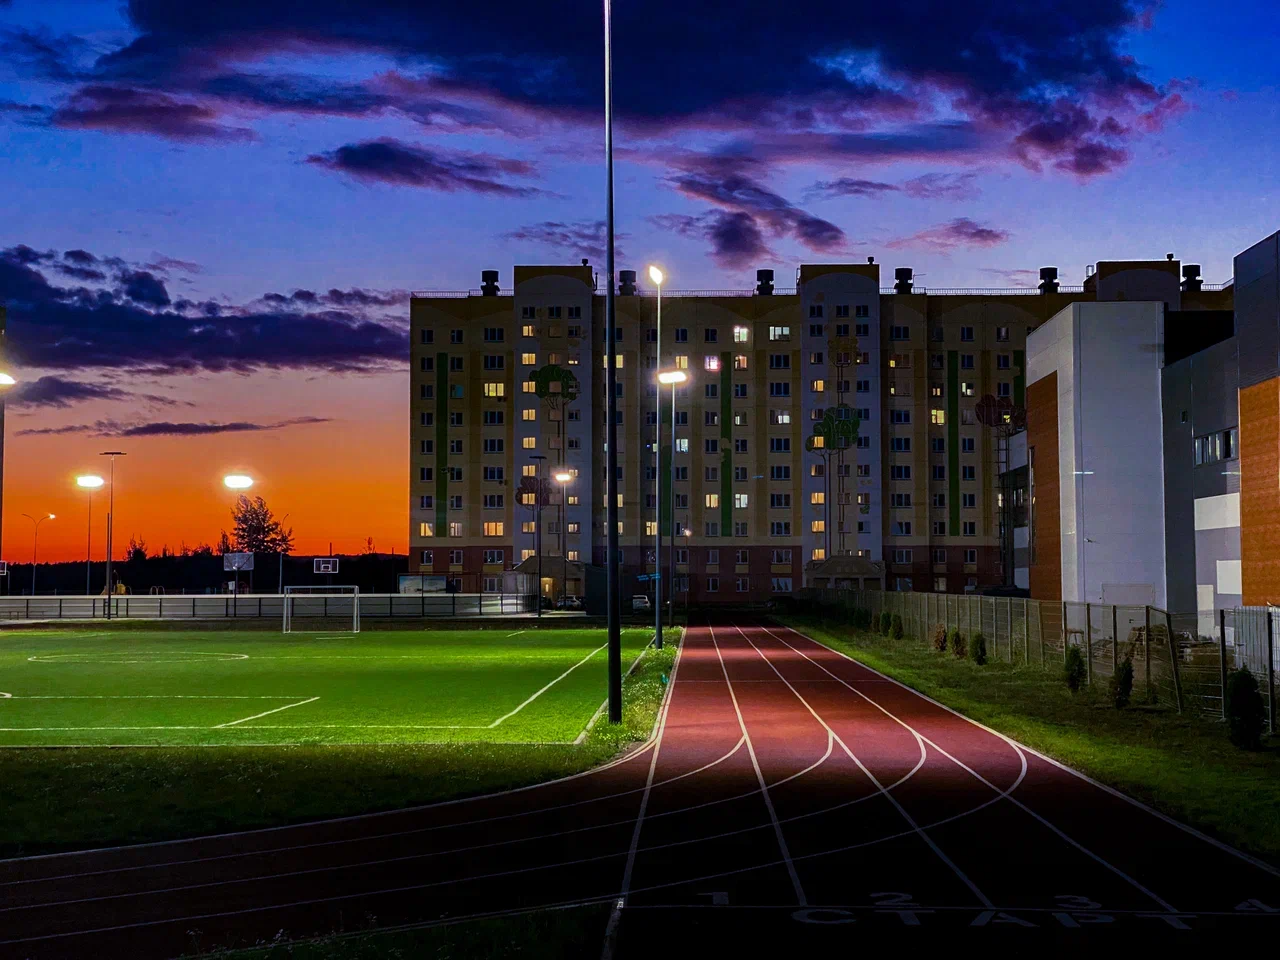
x=835, y=433
x=136, y=551
x=556, y=387
x=224, y=543
x=256, y=528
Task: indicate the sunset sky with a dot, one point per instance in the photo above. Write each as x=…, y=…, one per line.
x=211, y=214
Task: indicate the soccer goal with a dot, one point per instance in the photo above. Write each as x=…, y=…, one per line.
x=321, y=608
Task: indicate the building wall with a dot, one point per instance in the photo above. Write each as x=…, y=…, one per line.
x=1045, y=513
x=1258, y=330
x=930, y=357
x=1111, y=506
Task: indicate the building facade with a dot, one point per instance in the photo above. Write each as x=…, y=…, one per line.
x=917, y=490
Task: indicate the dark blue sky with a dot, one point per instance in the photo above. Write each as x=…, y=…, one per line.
x=175, y=173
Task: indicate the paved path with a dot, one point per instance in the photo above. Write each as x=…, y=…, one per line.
x=788, y=791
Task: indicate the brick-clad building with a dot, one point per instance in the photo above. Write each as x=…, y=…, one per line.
x=917, y=489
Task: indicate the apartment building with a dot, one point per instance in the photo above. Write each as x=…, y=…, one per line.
x=754, y=500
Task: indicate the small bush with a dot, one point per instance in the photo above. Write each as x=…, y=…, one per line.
x=1245, y=711
x=1121, y=688
x=1074, y=671
x=940, y=638
x=895, y=628
x=886, y=621
x=978, y=649
x=958, y=644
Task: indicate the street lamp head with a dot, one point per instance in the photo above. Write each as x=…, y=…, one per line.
x=91, y=482
x=237, y=481
x=52, y=516
x=6, y=380
x=656, y=275
x=672, y=376
x=564, y=476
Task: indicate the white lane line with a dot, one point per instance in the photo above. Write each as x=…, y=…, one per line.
x=644, y=803
x=1225, y=848
x=6, y=696
x=605, y=702
x=266, y=713
x=149, y=696
x=964, y=878
x=764, y=788
x=1014, y=800
x=517, y=633
x=509, y=715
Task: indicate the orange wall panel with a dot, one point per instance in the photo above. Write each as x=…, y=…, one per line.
x=1042, y=444
x=1260, y=492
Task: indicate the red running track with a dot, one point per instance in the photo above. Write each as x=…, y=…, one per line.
x=787, y=791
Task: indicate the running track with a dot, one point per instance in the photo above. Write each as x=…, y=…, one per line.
x=788, y=790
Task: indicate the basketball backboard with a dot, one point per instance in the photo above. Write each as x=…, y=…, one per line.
x=237, y=561
x=325, y=565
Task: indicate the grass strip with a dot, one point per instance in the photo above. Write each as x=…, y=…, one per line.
x=1182, y=765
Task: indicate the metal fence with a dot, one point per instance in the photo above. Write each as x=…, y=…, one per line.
x=1171, y=663
x=377, y=606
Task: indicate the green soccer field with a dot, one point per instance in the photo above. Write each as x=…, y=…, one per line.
x=253, y=687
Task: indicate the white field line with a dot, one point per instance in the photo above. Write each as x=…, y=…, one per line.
x=509, y=715
x=6, y=696
x=964, y=877
x=1008, y=795
x=1225, y=848
x=517, y=633
x=149, y=696
x=764, y=788
x=266, y=713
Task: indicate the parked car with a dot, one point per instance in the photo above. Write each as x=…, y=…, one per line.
x=640, y=603
x=569, y=603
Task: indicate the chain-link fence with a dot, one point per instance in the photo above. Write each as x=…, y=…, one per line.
x=1252, y=634
x=1172, y=664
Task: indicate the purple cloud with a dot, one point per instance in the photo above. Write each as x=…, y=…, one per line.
x=960, y=232
x=401, y=164
x=735, y=237
x=580, y=238
x=127, y=110
x=115, y=428
x=942, y=186
x=80, y=327
x=54, y=391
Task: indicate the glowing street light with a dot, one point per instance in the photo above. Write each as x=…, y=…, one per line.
x=91, y=483
x=237, y=481
x=6, y=380
x=670, y=378
x=656, y=276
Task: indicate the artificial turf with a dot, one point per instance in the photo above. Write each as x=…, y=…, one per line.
x=188, y=687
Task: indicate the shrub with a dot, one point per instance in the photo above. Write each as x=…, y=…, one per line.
x=1121, y=688
x=958, y=645
x=1074, y=672
x=1245, y=712
x=978, y=649
x=895, y=628
x=940, y=638
x=886, y=621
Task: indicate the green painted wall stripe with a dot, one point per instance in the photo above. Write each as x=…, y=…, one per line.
x=442, y=444
x=726, y=445
x=953, y=439
x=1020, y=378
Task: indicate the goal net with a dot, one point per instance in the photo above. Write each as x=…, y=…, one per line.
x=321, y=608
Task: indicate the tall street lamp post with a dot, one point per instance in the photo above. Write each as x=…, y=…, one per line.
x=564, y=478
x=111, y=517
x=237, y=481
x=611, y=379
x=6, y=381
x=537, y=458
x=90, y=483
x=35, y=545
x=674, y=378
x=656, y=276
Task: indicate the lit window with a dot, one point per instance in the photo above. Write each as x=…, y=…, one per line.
x=526, y=554
x=528, y=386
x=529, y=330
x=604, y=362
x=455, y=529
x=712, y=499
x=682, y=445
x=819, y=554
x=711, y=362
x=528, y=526
x=740, y=501
x=818, y=526
x=573, y=502
x=818, y=386
x=938, y=417
x=682, y=363
x=495, y=389
x=819, y=442
x=425, y=530
x=651, y=528
x=493, y=528
x=530, y=414
x=573, y=554
x=529, y=443
x=818, y=498
x=529, y=358
x=740, y=334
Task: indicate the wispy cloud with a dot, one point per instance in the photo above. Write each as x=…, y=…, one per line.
x=960, y=232
x=115, y=428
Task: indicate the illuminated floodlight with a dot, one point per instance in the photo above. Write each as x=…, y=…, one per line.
x=656, y=276
x=238, y=481
x=672, y=376
x=564, y=476
x=90, y=482
x=6, y=380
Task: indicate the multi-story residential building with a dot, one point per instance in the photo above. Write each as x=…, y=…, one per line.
x=917, y=490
